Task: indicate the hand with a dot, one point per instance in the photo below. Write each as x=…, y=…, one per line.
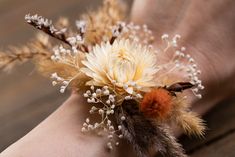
x=60, y=135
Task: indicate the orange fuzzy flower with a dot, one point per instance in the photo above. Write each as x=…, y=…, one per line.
x=157, y=103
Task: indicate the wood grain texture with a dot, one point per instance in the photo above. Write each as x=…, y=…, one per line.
x=222, y=148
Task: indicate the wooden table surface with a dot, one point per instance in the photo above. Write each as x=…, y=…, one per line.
x=26, y=98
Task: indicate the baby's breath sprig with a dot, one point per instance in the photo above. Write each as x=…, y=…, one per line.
x=136, y=33
x=64, y=82
x=106, y=98
x=65, y=56
x=78, y=41
x=181, y=62
x=60, y=80
x=46, y=26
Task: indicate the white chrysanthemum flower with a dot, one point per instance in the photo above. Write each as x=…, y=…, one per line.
x=124, y=65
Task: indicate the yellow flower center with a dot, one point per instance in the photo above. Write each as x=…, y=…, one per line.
x=123, y=56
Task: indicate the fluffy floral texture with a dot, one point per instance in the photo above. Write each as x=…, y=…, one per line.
x=187, y=120
x=123, y=66
x=157, y=104
x=99, y=22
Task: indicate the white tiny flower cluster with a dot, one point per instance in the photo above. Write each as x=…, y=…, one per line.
x=106, y=98
x=78, y=39
x=136, y=33
x=61, y=54
x=116, y=29
x=172, y=42
x=66, y=56
x=41, y=22
x=81, y=26
x=183, y=62
x=74, y=41
x=131, y=88
x=60, y=80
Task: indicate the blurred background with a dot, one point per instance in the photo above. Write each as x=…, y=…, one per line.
x=26, y=98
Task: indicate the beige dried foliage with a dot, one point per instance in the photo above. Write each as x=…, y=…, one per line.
x=39, y=50
x=35, y=50
x=191, y=123
x=49, y=67
x=187, y=120
x=62, y=22
x=99, y=22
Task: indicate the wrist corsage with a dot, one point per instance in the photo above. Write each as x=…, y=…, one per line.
x=138, y=87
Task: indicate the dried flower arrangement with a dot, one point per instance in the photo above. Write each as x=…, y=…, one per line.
x=137, y=89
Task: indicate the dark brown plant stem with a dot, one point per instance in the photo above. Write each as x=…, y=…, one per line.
x=112, y=39
x=46, y=29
